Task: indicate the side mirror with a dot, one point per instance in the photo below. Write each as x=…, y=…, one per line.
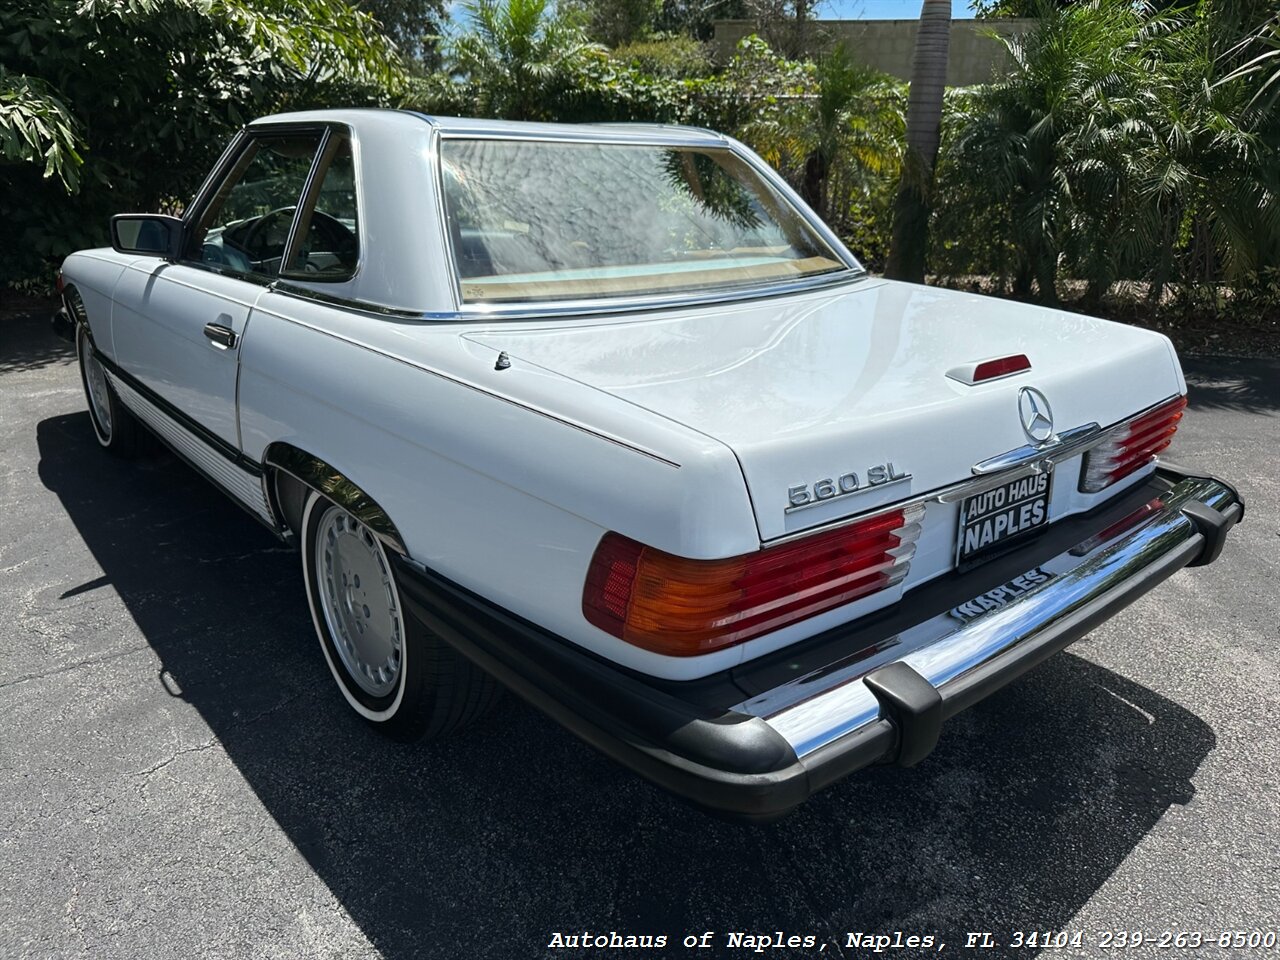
x=147, y=233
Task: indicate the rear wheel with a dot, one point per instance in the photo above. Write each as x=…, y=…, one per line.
x=390, y=668
x=114, y=426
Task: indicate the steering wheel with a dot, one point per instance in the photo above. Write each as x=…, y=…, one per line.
x=249, y=243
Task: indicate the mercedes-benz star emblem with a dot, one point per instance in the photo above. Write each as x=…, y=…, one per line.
x=1035, y=413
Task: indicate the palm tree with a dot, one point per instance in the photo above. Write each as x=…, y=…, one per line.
x=1108, y=151
x=517, y=55
x=924, y=120
x=835, y=141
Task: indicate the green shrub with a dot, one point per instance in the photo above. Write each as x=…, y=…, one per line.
x=108, y=107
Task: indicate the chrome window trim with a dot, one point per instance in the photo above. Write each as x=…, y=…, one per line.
x=335, y=132
x=216, y=176
x=550, y=309
x=528, y=310
x=239, y=143
x=590, y=133
x=305, y=197
x=290, y=288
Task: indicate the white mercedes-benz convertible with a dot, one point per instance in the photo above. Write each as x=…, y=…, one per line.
x=608, y=415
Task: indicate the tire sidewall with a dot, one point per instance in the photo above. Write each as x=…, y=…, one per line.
x=84, y=348
x=374, y=709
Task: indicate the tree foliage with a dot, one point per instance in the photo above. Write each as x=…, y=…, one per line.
x=837, y=133
x=1115, y=149
x=520, y=58
x=1126, y=143
x=36, y=127
x=415, y=26
x=111, y=105
x=614, y=22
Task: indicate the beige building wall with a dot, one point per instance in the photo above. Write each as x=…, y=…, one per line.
x=975, y=56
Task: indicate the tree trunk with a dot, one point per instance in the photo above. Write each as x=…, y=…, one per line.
x=924, y=119
x=811, y=184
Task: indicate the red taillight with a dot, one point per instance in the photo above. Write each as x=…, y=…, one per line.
x=1131, y=446
x=1000, y=367
x=682, y=608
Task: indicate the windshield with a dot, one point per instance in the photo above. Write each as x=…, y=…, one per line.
x=534, y=220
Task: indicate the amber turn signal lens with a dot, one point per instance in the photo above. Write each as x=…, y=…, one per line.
x=681, y=608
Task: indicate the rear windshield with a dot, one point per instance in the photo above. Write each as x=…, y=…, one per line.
x=535, y=220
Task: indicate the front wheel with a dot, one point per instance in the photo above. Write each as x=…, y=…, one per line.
x=114, y=426
x=390, y=668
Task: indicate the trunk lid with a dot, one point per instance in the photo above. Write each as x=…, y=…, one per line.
x=821, y=386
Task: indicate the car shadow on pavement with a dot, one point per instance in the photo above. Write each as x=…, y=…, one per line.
x=487, y=843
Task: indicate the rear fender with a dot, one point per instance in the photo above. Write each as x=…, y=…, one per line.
x=317, y=475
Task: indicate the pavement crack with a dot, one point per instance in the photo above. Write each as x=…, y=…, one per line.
x=198, y=748
x=68, y=667
x=215, y=741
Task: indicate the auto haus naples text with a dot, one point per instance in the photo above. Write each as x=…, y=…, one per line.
x=1005, y=511
x=754, y=942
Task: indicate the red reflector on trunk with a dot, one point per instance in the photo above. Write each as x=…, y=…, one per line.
x=1000, y=367
x=682, y=608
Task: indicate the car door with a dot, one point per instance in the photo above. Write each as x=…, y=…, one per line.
x=177, y=327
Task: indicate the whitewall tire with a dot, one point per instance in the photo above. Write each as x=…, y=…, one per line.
x=113, y=425
x=390, y=669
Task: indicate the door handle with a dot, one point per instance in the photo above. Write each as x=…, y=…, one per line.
x=222, y=336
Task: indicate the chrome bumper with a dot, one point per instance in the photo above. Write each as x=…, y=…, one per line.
x=874, y=691
x=961, y=662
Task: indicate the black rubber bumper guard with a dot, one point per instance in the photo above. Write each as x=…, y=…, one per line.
x=683, y=737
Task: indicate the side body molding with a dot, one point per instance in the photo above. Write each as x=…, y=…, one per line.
x=313, y=472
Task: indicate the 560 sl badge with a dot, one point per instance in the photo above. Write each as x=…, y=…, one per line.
x=846, y=485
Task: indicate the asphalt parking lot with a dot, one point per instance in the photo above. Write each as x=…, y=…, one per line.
x=178, y=777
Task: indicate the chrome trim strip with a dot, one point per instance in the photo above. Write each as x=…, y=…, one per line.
x=1056, y=449
x=592, y=133
x=842, y=704
x=246, y=488
x=285, y=287
x=590, y=308
x=306, y=197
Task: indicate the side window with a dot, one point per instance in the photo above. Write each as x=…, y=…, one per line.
x=328, y=245
x=246, y=225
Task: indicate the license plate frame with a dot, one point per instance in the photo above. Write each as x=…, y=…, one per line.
x=992, y=521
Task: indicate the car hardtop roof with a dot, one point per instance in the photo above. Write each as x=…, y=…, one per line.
x=621, y=132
